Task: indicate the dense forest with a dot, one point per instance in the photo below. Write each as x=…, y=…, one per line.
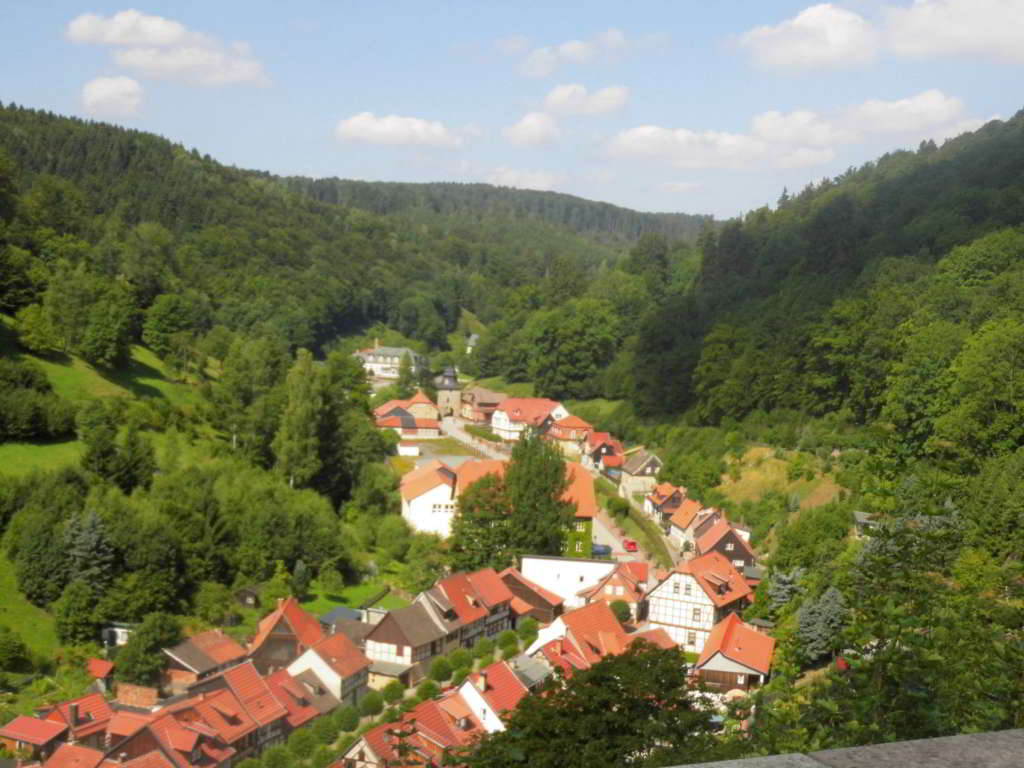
x=874, y=322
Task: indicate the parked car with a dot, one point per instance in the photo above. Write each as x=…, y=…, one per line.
x=630, y=545
x=601, y=550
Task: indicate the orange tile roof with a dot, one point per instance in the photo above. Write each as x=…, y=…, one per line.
x=290, y=693
x=154, y=759
x=420, y=398
x=717, y=577
x=685, y=514
x=596, y=439
x=520, y=607
x=573, y=422
x=470, y=471
x=222, y=712
x=741, y=643
x=422, y=479
x=93, y=714
x=714, y=534
x=548, y=596
x=32, y=730
x=99, y=668
x=503, y=690
x=74, y=756
x=610, y=460
x=305, y=626
x=396, y=422
x=460, y=593
x=530, y=410
x=254, y=694
x=658, y=637
x=663, y=492
x=219, y=647
x=595, y=631
x=489, y=587
x=341, y=655
x=126, y=723
x=581, y=490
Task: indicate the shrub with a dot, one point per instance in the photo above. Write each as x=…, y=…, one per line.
x=346, y=742
x=509, y=652
x=325, y=730
x=391, y=715
x=460, y=675
x=460, y=657
x=347, y=719
x=372, y=704
x=483, y=647
x=440, y=669
x=618, y=507
x=302, y=743
x=249, y=762
x=527, y=627
x=621, y=610
x=406, y=704
x=486, y=661
x=323, y=756
x=507, y=638
x=428, y=689
x=393, y=691
x=277, y=756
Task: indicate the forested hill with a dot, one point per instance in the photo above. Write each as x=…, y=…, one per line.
x=482, y=200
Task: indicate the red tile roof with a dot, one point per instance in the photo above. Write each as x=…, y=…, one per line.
x=520, y=607
x=422, y=479
x=717, y=577
x=503, y=690
x=290, y=692
x=218, y=646
x=612, y=460
x=489, y=587
x=305, y=626
x=124, y=724
x=739, y=642
x=418, y=399
x=32, y=730
x=663, y=492
x=341, y=655
x=468, y=472
x=462, y=596
x=99, y=668
x=220, y=711
x=154, y=759
x=548, y=597
x=434, y=729
x=595, y=631
x=596, y=439
x=395, y=422
x=685, y=514
x=74, y=756
x=254, y=693
x=581, y=490
x=93, y=714
x=658, y=637
x=714, y=534
x=530, y=410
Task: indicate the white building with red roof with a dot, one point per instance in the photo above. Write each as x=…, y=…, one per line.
x=600, y=451
x=735, y=656
x=516, y=415
x=568, y=434
x=417, y=417
x=339, y=664
x=283, y=636
x=627, y=582
x=696, y=595
x=491, y=693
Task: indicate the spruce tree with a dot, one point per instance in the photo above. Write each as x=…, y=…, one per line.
x=296, y=444
x=90, y=555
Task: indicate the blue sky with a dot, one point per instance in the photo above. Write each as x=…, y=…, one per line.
x=695, y=106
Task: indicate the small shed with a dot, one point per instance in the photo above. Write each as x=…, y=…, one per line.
x=248, y=597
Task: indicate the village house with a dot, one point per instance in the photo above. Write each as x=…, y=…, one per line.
x=530, y=599
x=403, y=639
x=199, y=656
x=385, y=362
x=491, y=693
x=74, y=756
x=640, y=470
x=101, y=672
x=735, y=656
x=85, y=718
x=167, y=742
x=568, y=433
x=478, y=404
x=518, y=415
x=601, y=452
x=32, y=737
x=449, y=396
x=473, y=604
x=415, y=418
x=663, y=502
x=695, y=596
x=257, y=700
x=304, y=703
x=339, y=665
x=580, y=493
x=721, y=537
x=283, y=635
x=627, y=582
x=690, y=518
x=220, y=711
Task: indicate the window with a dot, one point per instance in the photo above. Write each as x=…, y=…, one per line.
x=675, y=588
x=729, y=546
x=691, y=638
x=580, y=526
x=740, y=679
x=696, y=614
x=579, y=546
x=738, y=563
x=687, y=588
x=609, y=590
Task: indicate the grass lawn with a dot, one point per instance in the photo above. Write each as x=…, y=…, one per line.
x=593, y=410
x=498, y=384
x=319, y=602
x=447, y=446
x=34, y=625
x=22, y=458
x=483, y=432
x=761, y=472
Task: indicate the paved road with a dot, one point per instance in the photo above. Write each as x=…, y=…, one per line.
x=453, y=428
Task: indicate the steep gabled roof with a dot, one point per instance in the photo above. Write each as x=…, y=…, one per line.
x=489, y=587
x=685, y=514
x=99, y=668
x=206, y=651
x=527, y=410
x=415, y=623
x=254, y=694
x=581, y=490
x=463, y=598
x=468, y=472
x=636, y=459
x=74, y=756
x=596, y=439
x=658, y=637
x=663, y=492
x=547, y=596
x=221, y=711
x=422, y=479
x=302, y=624
x=295, y=698
x=714, y=534
x=502, y=688
x=595, y=631
x=719, y=579
x=32, y=730
x=93, y=714
x=341, y=655
x=741, y=643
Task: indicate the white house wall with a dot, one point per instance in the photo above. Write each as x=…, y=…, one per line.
x=478, y=706
x=378, y=651
x=312, y=662
x=565, y=576
x=672, y=611
x=431, y=512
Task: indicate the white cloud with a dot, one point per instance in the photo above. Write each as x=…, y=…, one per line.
x=820, y=36
x=966, y=125
x=797, y=139
x=544, y=61
x=157, y=47
x=991, y=28
x=680, y=186
x=575, y=99
x=112, y=97
x=396, y=130
x=533, y=129
x=925, y=110
x=523, y=179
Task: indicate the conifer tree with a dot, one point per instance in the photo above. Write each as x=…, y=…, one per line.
x=90, y=555
x=296, y=443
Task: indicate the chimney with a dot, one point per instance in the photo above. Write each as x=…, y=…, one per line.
x=73, y=713
x=481, y=681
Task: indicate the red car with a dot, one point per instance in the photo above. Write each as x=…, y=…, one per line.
x=630, y=545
